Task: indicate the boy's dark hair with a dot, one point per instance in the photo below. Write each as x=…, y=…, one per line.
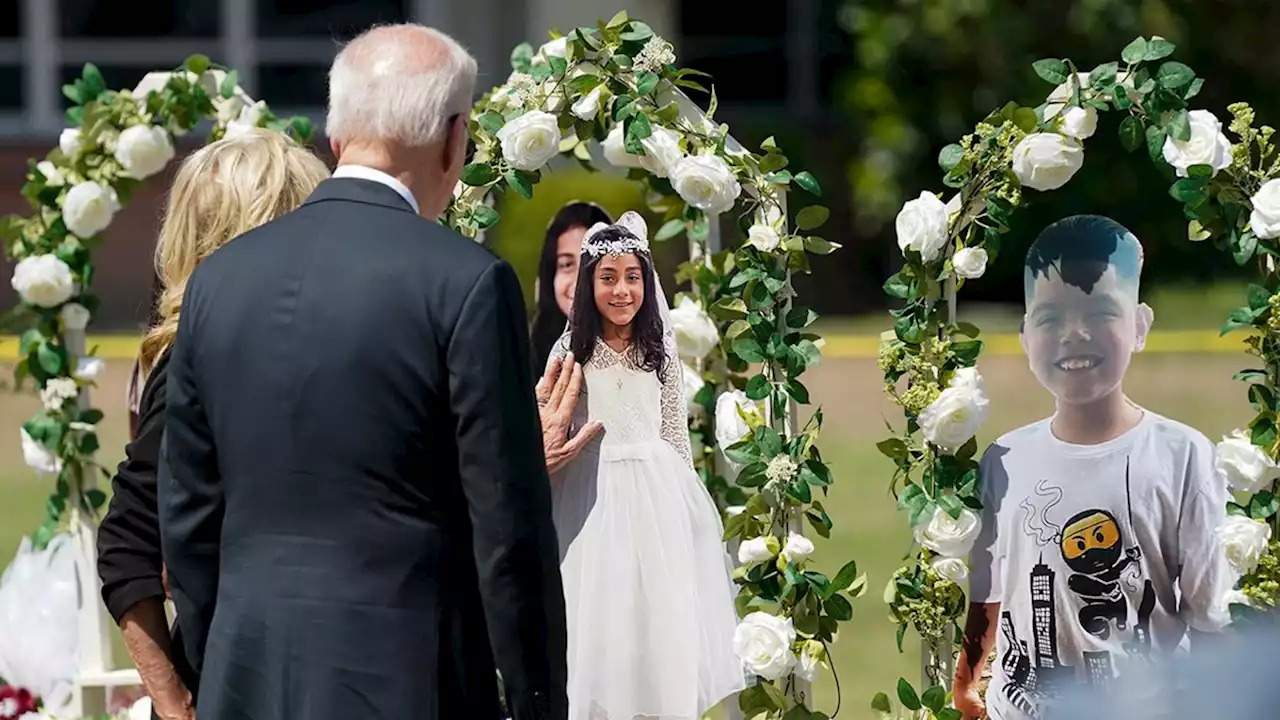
x=1080, y=248
x=646, y=327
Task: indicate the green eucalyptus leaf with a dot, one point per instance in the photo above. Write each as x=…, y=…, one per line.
x=479, y=174
x=950, y=156
x=894, y=449
x=1179, y=126
x=484, y=216
x=96, y=498
x=520, y=184
x=1238, y=318
x=1155, y=143
x=1158, y=48
x=749, y=349
x=808, y=183
x=758, y=387
x=1173, y=75
x=1263, y=433
x=729, y=308
x=1131, y=133
x=1193, y=89
x=797, y=391
x=52, y=360
x=934, y=698
x=229, y=84
x=812, y=217
x=1052, y=71
x=1263, y=505
x=1246, y=245
x=1259, y=297
x=838, y=607
x=907, y=695
x=845, y=578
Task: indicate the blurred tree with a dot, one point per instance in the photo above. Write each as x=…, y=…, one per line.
x=925, y=71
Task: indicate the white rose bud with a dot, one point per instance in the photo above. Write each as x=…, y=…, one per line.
x=921, y=225
x=554, y=48
x=1243, y=541
x=661, y=152
x=37, y=457
x=693, y=384
x=807, y=667
x=1245, y=466
x=696, y=333
x=144, y=150
x=1079, y=122
x=52, y=176
x=43, y=280
x=763, y=238
x=1206, y=146
x=1265, y=218
x=763, y=643
x=588, y=106
x=954, y=417
x=706, y=182
x=730, y=426
x=1046, y=161
x=797, y=549
x=228, y=109
x=968, y=377
x=615, y=151
x=247, y=121
x=74, y=316
x=530, y=140
x=758, y=550
x=69, y=141
x=89, y=369
x=88, y=208
x=948, y=536
x=950, y=568
x=970, y=262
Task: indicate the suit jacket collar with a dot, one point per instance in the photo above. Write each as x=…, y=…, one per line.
x=358, y=190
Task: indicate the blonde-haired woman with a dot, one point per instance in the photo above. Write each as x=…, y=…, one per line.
x=221, y=191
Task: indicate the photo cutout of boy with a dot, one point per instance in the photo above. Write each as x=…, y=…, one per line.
x=1097, y=551
x=1083, y=323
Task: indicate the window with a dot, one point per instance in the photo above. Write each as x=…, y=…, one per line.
x=294, y=86
x=117, y=77
x=136, y=18
x=10, y=19
x=10, y=87
x=744, y=52
x=338, y=19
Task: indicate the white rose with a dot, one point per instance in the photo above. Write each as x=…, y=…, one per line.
x=88, y=208
x=228, y=109
x=144, y=150
x=970, y=262
x=588, y=106
x=530, y=140
x=730, y=426
x=693, y=384
x=763, y=643
x=797, y=549
x=43, y=280
x=954, y=417
x=706, y=182
x=74, y=316
x=1061, y=95
x=757, y=550
x=921, y=225
x=1245, y=466
x=69, y=141
x=1079, y=122
x=37, y=458
x=140, y=710
x=696, y=333
x=953, y=569
x=948, y=536
x=662, y=152
x=763, y=237
x=52, y=176
x=1206, y=146
x=1243, y=540
x=1265, y=218
x=248, y=119
x=554, y=48
x=89, y=369
x=968, y=377
x=1046, y=161
x=553, y=98
x=615, y=151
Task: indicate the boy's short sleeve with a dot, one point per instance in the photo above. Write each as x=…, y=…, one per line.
x=1205, y=577
x=986, y=560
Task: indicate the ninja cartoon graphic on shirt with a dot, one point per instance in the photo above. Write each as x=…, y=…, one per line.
x=1093, y=549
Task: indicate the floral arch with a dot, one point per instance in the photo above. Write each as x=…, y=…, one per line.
x=744, y=338
x=1230, y=195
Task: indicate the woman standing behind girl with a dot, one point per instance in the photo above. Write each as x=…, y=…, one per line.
x=647, y=582
x=558, y=273
x=221, y=191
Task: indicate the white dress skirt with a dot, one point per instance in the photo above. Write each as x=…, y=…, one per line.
x=646, y=576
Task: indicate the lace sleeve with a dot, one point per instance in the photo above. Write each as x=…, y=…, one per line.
x=675, y=413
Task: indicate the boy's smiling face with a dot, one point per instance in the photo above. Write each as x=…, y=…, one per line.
x=1079, y=343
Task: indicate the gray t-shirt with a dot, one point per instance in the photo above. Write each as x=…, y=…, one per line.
x=1100, y=556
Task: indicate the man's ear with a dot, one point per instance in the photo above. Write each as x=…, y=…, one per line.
x=1143, y=320
x=455, y=147
x=336, y=147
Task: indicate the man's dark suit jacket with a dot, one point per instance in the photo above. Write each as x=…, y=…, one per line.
x=354, y=508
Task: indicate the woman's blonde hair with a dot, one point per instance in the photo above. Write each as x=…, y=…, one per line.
x=223, y=190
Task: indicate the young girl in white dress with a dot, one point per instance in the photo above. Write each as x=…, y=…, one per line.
x=646, y=576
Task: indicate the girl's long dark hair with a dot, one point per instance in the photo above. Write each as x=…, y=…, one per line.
x=646, y=349
x=548, y=321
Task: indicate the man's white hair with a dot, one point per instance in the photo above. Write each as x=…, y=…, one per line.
x=399, y=83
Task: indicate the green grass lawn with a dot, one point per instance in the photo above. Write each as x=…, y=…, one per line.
x=1195, y=389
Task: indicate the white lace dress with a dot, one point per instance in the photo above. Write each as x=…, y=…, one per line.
x=646, y=575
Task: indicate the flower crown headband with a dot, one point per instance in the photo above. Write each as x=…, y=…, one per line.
x=634, y=238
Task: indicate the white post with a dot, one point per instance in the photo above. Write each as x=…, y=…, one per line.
x=239, y=46
x=40, y=58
